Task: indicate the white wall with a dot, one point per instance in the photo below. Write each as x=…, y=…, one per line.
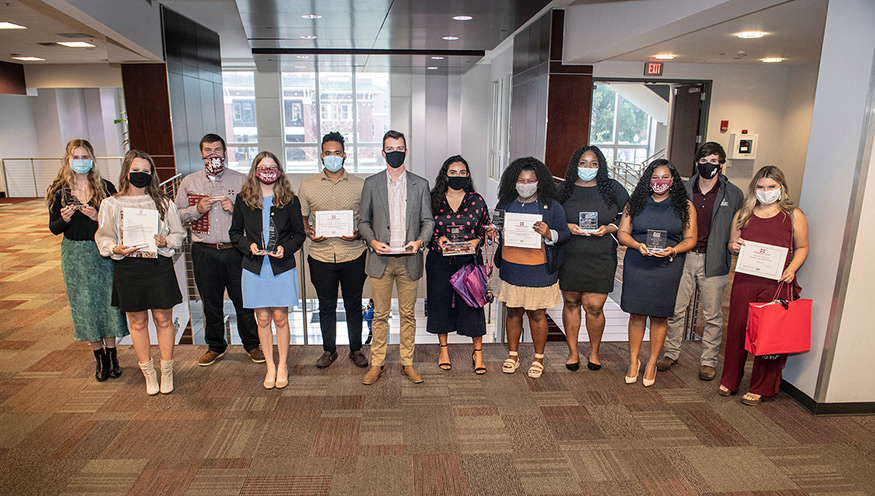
x=475, y=125
x=801, y=83
x=73, y=76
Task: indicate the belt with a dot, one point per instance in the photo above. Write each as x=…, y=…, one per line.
x=216, y=246
x=699, y=250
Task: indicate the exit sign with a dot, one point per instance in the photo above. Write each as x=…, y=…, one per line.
x=653, y=68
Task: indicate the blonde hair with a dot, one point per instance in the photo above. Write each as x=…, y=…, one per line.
x=251, y=190
x=66, y=177
x=153, y=189
x=750, y=200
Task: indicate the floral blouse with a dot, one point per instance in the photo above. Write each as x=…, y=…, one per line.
x=472, y=216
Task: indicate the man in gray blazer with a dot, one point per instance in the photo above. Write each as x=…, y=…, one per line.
x=395, y=221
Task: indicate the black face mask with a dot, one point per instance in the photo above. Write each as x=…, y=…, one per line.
x=140, y=179
x=707, y=170
x=395, y=159
x=457, y=182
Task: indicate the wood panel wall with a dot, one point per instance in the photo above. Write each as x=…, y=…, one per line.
x=12, y=79
x=147, y=102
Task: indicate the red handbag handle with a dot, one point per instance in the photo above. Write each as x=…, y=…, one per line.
x=789, y=291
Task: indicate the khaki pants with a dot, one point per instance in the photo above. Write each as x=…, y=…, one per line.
x=710, y=298
x=381, y=289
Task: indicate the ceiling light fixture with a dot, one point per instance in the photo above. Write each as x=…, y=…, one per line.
x=437, y=58
x=750, y=35
x=451, y=38
x=462, y=18
x=76, y=44
x=9, y=25
x=300, y=67
x=664, y=56
x=308, y=36
x=772, y=60
x=431, y=68
x=27, y=59
x=311, y=16
x=303, y=56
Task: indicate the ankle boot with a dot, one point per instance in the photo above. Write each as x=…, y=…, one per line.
x=102, y=371
x=114, y=370
x=151, y=377
x=166, y=377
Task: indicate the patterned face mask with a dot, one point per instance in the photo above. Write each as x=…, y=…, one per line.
x=214, y=164
x=267, y=176
x=660, y=186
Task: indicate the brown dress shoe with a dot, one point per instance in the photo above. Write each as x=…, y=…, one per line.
x=373, y=375
x=326, y=359
x=256, y=355
x=412, y=374
x=665, y=363
x=358, y=358
x=210, y=358
x=707, y=373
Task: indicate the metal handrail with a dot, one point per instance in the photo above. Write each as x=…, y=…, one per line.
x=32, y=160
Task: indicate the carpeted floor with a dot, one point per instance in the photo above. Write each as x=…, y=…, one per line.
x=221, y=433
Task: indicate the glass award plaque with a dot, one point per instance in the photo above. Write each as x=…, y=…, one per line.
x=270, y=245
x=456, y=244
x=498, y=219
x=71, y=201
x=657, y=240
x=588, y=221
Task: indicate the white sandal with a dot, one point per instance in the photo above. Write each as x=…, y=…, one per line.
x=510, y=365
x=537, y=368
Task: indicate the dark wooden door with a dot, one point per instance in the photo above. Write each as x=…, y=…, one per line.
x=684, y=131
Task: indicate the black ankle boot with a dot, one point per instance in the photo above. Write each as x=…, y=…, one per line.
x=102, y=372
x=114, y=370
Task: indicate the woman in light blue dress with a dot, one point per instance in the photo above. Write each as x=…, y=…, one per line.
x=268, y=229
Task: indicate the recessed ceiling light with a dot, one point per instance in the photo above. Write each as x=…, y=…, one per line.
x=303, y=56
x=300, y=67
x=462, y=18
x=437, y=58
x=76, y=44
x=311, y=16
x=451, y=38
x=750, y=35
x=27, y=59
x=308, y=36
x=431, y=68
x=772, y=60
x=9, y=25
x=664, y=56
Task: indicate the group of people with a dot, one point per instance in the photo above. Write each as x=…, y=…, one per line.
x=246, y=229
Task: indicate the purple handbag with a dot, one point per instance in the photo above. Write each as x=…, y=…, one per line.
x=470, y=283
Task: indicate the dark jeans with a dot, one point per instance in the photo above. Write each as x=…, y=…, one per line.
x=351, y=277
x=214, y=271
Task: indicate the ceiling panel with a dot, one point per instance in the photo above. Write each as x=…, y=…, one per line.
x=44, y=25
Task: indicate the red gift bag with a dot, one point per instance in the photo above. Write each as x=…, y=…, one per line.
x=778, y=326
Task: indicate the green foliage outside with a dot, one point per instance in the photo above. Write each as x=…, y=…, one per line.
x=632, y=123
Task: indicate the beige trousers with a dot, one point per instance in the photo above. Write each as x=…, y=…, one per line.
x=381, y=288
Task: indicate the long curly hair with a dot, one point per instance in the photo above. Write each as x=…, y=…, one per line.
x=153, y=189
x=750, y=200
x=606, y=190
x=66, y=178
x=679, y=198
x=507, y=186
x=439, y=191
x=251, y=190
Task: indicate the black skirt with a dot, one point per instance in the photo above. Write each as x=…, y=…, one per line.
x=140, y=284
x=447, y=311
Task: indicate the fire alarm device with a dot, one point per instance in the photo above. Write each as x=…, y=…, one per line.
x=724, y=126
x=742, y=146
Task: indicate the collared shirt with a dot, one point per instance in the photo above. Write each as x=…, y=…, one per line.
x=212, y=226
x=397, y=209
x=320, y=193
x=704, y=204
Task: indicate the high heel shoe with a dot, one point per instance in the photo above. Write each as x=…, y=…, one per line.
x=283, y=381
x=148, y=369
x=445, y=365
x=115, y=371
x=166, y=376
x=270, y=383
x=477, y=370
x=648, y=382
x=633, y=380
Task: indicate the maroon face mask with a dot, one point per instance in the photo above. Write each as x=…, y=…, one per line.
x=660, y=186
x=214, y=164
x=267, y=176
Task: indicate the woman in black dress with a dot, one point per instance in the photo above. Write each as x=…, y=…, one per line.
x=651, y=276
x=587, y=276
x=458, y=210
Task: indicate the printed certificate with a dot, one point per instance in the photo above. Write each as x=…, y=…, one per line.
x=334, y=223
x=519, y=230
x=762, y=260
x=139, y=227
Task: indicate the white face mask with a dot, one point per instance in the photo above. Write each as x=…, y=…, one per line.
x=768, y=197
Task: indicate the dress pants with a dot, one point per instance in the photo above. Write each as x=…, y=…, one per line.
x=350, y=276
x=396, y=272
x=214, y=271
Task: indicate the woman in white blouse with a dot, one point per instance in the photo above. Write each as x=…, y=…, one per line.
x=144, y=278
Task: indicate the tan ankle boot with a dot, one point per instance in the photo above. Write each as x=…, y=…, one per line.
x=166, y=377
x=148, y=370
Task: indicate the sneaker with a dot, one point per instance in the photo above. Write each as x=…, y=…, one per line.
x=358, y=358
x=256, y=355
x=665, y=363
x=373, y=375
x=707, y=373
x=412, y=374
x=326, y=359
x=210, y=358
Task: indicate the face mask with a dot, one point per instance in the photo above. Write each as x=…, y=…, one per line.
x=768, y=197
x=214, y=164
x=395, y=159
x=140, y=179
x=707, y=170
x=660, y=186
x=267, y=176
x=81, y=165
x=332, y=162
x=586, y=174
x=457, y=182
x=527, y=190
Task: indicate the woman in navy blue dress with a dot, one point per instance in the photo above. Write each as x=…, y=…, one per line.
x=651, y=276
